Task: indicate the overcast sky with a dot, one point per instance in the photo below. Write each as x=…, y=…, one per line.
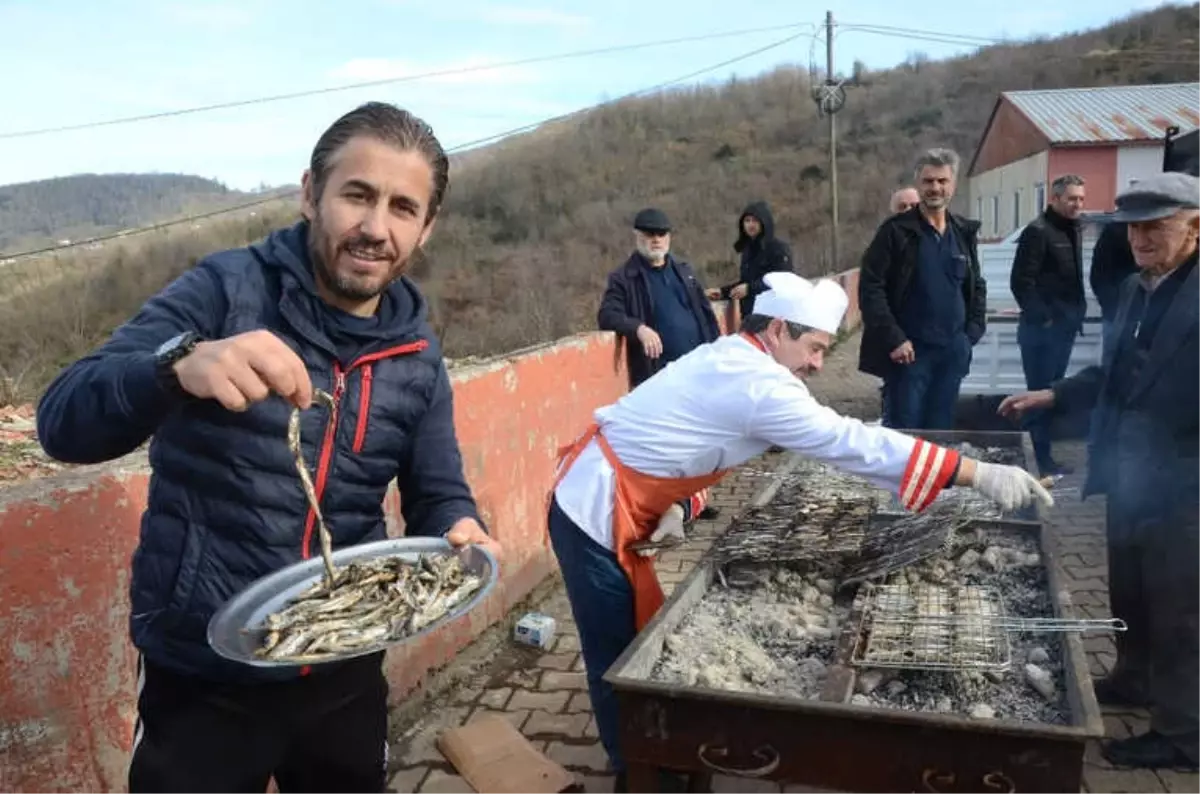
x=68, y=61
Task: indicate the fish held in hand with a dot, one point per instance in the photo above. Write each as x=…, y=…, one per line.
x=368, y=605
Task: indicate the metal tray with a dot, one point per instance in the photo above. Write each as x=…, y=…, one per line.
x=233, y=631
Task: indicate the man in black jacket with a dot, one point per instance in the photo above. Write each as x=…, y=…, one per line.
x=654, y=302
x=210, y=369
x=923, y=301
x=1112, y=264
x=761, y=253
x=1047, y=281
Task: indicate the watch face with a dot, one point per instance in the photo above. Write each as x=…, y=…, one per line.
x=166, y=346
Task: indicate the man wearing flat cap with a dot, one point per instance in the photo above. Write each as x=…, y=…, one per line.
x=683, y=429
x=654, y=302
x=1145, y=456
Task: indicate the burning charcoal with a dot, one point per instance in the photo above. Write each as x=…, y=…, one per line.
x=860, y=700
x=825, y=601
x=810, y=594
x=826, y=586
x=820, y=633
x=1038, y=655
x=995, y=676
x=968, y=558
x=982, y=711
x=869, y=681
x=1040, y=680
x=896, y=688
x=944, y=704
x=993, y=558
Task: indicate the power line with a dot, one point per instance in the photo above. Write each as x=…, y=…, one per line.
x=8, y=258
x=401, y=79
x=941, y=34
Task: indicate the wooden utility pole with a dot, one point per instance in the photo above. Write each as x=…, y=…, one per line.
x=833, y=180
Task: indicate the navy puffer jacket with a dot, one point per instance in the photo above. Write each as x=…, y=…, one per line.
x=225, y=504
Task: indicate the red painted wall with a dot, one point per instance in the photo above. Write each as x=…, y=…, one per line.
x=1096, y=164
x=66, y=665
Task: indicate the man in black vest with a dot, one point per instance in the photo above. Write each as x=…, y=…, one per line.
x=1047, y=281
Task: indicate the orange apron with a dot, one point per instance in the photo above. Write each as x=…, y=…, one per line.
x=639, y=502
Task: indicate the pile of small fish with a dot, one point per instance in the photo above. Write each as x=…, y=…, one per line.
x=369, y=604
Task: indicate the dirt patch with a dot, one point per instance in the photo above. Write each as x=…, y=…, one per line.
x=842, y=387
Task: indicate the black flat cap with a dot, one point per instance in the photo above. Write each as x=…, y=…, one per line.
x=651, y=220
x=1158, y=196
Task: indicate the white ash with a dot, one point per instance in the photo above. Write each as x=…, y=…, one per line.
x=1032, y=689
x=773, y=638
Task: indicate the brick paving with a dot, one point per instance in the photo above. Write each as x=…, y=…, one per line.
x=545, y=694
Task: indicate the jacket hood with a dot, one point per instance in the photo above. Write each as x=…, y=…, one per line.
x=287, y=250
x=762, y=211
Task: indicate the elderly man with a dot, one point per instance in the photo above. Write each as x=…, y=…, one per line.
x=1145, y=457
x=682, y=430
x=903, y=200
x=655, y=302
x=1047, y=281
x=211, y=368
x=923, y=301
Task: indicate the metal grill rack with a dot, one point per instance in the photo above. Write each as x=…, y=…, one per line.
x=929, y=627
x=889, y=546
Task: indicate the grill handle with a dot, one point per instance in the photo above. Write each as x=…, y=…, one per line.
x=766, y=752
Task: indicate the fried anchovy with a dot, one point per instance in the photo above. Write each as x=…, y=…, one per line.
x=293, y=439
x=370, y=604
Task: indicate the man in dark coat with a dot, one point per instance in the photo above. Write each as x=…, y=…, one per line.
x=1112, y=264
x=655, y=302
x=1047, y=281
x=211, y=369
x=1145, y=458
x=761, y=253
x=923, y=301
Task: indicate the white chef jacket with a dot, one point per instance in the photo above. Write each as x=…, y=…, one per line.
x=722, y=404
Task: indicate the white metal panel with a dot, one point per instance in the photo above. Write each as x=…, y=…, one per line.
x=1020, y=177
x=1137, y=162
x=996, y=361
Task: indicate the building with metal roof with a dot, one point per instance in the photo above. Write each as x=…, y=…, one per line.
x=1108, y=135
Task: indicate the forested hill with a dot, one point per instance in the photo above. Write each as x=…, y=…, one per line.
x=86, y=205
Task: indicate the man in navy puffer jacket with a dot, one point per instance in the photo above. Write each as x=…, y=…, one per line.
x=211, y=368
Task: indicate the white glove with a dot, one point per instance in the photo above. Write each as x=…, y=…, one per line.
x=1011, y=487
x=670, y=525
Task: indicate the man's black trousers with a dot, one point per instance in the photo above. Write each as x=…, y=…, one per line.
x=322, y=732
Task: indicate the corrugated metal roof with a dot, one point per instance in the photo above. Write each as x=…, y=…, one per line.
x=1110, y=114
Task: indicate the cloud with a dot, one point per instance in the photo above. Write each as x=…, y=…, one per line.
x=475, y=70
x=520, y=15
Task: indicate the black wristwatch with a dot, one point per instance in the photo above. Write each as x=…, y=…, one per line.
x=167, y=354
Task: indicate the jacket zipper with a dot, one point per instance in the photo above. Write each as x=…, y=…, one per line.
x=339, y=388
x=364, y=405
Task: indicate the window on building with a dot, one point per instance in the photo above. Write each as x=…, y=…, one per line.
x=1039, y=197
x=1016, y=210
x=979, y=209
x=996, y=215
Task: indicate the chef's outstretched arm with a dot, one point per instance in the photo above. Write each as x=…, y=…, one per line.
x=788, y=416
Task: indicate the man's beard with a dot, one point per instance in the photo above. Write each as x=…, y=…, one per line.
x=345, y=286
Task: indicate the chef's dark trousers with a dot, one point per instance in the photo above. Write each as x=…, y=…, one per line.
x=602, y=604
x=1153, y=583
x=1045, y=354
x=322, y=732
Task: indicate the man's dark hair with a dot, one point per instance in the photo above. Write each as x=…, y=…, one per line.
x=757, y=323
x=388, y=124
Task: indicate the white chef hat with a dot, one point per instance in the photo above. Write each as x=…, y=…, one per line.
x=790, y=297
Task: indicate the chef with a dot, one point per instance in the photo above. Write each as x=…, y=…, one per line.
x=683, y=429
